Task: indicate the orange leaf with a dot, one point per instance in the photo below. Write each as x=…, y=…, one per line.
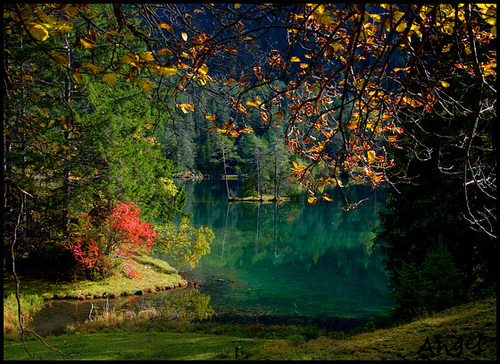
x=165, y=26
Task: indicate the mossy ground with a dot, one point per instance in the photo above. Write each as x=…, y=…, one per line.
x=153, y=274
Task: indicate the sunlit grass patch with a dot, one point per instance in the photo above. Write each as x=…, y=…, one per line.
x=136, y=346
x=153, y=274
x=30, y=304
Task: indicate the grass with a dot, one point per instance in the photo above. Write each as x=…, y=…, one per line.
x=134, y=346
x=471, y=327
x=154, y=274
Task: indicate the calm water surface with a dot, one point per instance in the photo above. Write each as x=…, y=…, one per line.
x=289, y=258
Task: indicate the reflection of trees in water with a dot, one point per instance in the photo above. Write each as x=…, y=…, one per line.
x=180, y=304
x=295, y=231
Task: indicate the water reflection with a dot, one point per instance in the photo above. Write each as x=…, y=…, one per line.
x=289, y=258
x=179, y=304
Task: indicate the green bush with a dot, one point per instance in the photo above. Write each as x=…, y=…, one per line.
x=432, y=286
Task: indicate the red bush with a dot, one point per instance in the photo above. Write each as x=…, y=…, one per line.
x=122, y=234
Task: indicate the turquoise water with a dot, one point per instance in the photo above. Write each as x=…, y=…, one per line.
x=289, y=258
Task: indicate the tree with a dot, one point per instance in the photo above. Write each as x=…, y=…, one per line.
x=225, y=152
x=253, y=151
x=352, y=74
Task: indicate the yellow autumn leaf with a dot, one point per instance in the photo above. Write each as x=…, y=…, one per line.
x=45, y=111
x=280, y=115
x=92, y=68
x=164, y=51
x=316, y=149
x=210, y=117
x=129, y=59
x=64, y=27
x=359, y=83
x=78, y=77
x=295, y=59
x=326, y=198
x=446, y=48
x=109, y=79
x=371, y=155
x=375, y=17
x=87, y=43
x=184, y=36
x=325, y=19
x=204, y=69
x=51, y=123
x=401, y=26
x=186, y=106
x=167, y=71
x=312, y=200
x=39, y=32
x=146, y=85
x=61, y=59
x=252, y=103
x=297, y=167
x=445, y=84
x=237, y=6
x=147, y=57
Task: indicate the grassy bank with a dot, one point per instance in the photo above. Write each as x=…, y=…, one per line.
x=154, y=274
x=260, y=198
x=465, y=332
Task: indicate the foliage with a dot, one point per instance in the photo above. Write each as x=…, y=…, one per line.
x=99, y=241
x=342, y=85
x=434, y=285
x=184, y=243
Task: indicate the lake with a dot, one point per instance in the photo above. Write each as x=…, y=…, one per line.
x=288, y=259
x=271, y=263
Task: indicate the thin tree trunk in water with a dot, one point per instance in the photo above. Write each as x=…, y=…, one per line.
x=224, y=235
x=258, y=174
x=256, y=246
x=276, y=172
x=225, y=172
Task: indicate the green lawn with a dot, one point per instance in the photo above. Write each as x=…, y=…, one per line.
x=468, y=331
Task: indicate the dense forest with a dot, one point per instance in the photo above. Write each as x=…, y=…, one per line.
x=105, y=103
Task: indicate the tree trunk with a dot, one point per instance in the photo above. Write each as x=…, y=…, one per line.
x=225, y=171
x=276, y=172
x=67, y=170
